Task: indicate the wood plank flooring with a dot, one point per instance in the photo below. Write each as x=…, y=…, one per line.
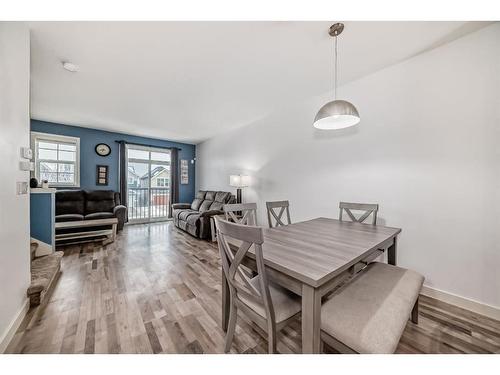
x=157, y=290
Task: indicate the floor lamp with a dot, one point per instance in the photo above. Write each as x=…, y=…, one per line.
x=239, y=182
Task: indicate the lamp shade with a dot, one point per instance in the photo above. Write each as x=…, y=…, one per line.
x=238, y=180
x=337, y=114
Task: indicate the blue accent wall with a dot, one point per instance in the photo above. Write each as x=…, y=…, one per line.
x=89, y=138
x=41, y=219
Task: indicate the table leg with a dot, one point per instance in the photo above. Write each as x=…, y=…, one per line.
x=212, y=229
x=311, y=319
x=391, y=253
x=225, y=302
x=113, y=236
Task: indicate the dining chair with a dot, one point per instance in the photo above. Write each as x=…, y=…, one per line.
x=369, y=313
x=271, y=213
x=368, y=209
x=270, y=306
x=241, y=213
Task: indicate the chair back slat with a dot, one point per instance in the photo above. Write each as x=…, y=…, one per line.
x=241, y=213
x=283, y=207
x=235, y=273
x=368, y=208
x=232, y=257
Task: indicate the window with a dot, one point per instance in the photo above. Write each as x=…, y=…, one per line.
x=57, y=159
x=162, y=182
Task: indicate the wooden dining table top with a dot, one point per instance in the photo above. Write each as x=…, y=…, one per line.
x=314, y=251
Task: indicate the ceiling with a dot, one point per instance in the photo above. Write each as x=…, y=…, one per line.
x=188, y=81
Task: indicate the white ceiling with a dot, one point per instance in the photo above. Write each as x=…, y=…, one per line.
x=188, y=81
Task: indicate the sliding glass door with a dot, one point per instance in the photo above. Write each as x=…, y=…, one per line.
x=148, y=183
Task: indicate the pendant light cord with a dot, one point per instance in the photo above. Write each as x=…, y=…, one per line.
x=336, y=71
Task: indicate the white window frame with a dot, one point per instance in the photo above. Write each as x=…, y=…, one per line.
x=37, y=136
x=163, y=181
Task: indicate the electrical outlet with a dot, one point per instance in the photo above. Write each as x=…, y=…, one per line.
x=26, y=166
x=22, y=187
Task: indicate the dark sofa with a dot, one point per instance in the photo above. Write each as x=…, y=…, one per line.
x=194, y=217
x=76, y=205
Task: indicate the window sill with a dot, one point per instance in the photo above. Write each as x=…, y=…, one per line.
x=42, y=190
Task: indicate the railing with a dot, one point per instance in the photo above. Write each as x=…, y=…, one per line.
x=145, y=204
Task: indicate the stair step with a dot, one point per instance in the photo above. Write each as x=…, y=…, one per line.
x=33, y=247
x=44, y=271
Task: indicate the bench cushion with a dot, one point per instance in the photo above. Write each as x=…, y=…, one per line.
x=286, y=304
x=369, y=313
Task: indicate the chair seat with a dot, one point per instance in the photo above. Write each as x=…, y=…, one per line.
x=185, y=214
x=369, y=314
x=192, y=219
x=286, y=304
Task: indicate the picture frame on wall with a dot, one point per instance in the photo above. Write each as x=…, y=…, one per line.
x=184, y=172
x=102, y=175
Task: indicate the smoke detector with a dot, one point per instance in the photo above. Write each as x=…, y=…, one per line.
x=70, y=67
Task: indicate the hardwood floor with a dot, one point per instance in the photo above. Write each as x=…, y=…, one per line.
x=157, y=290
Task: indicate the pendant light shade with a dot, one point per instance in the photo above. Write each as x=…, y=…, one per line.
x=337, y=114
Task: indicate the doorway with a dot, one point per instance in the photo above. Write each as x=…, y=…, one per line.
x=148, y=183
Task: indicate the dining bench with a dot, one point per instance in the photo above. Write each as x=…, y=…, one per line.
x=369, y=314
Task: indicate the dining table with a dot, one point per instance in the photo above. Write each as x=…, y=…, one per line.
x=311, y=258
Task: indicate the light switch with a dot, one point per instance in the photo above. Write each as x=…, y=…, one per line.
x=26, y=153
x=22, y=187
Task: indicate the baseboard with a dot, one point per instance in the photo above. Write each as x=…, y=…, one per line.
x=13, y=326
x=468, y=304
x=43, y=248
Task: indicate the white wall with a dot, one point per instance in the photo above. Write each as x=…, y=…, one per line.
x=427, y=150
x=14, y=209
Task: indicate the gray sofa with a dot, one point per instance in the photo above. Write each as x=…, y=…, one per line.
x=194, y=217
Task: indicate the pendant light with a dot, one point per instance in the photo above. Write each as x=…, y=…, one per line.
x=337, y=114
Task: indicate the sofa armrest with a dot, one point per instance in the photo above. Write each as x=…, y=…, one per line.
x=181, y=206
x=120, y=212
x=211, y=213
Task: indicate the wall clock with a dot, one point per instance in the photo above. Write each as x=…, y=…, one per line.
x=102, y=149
